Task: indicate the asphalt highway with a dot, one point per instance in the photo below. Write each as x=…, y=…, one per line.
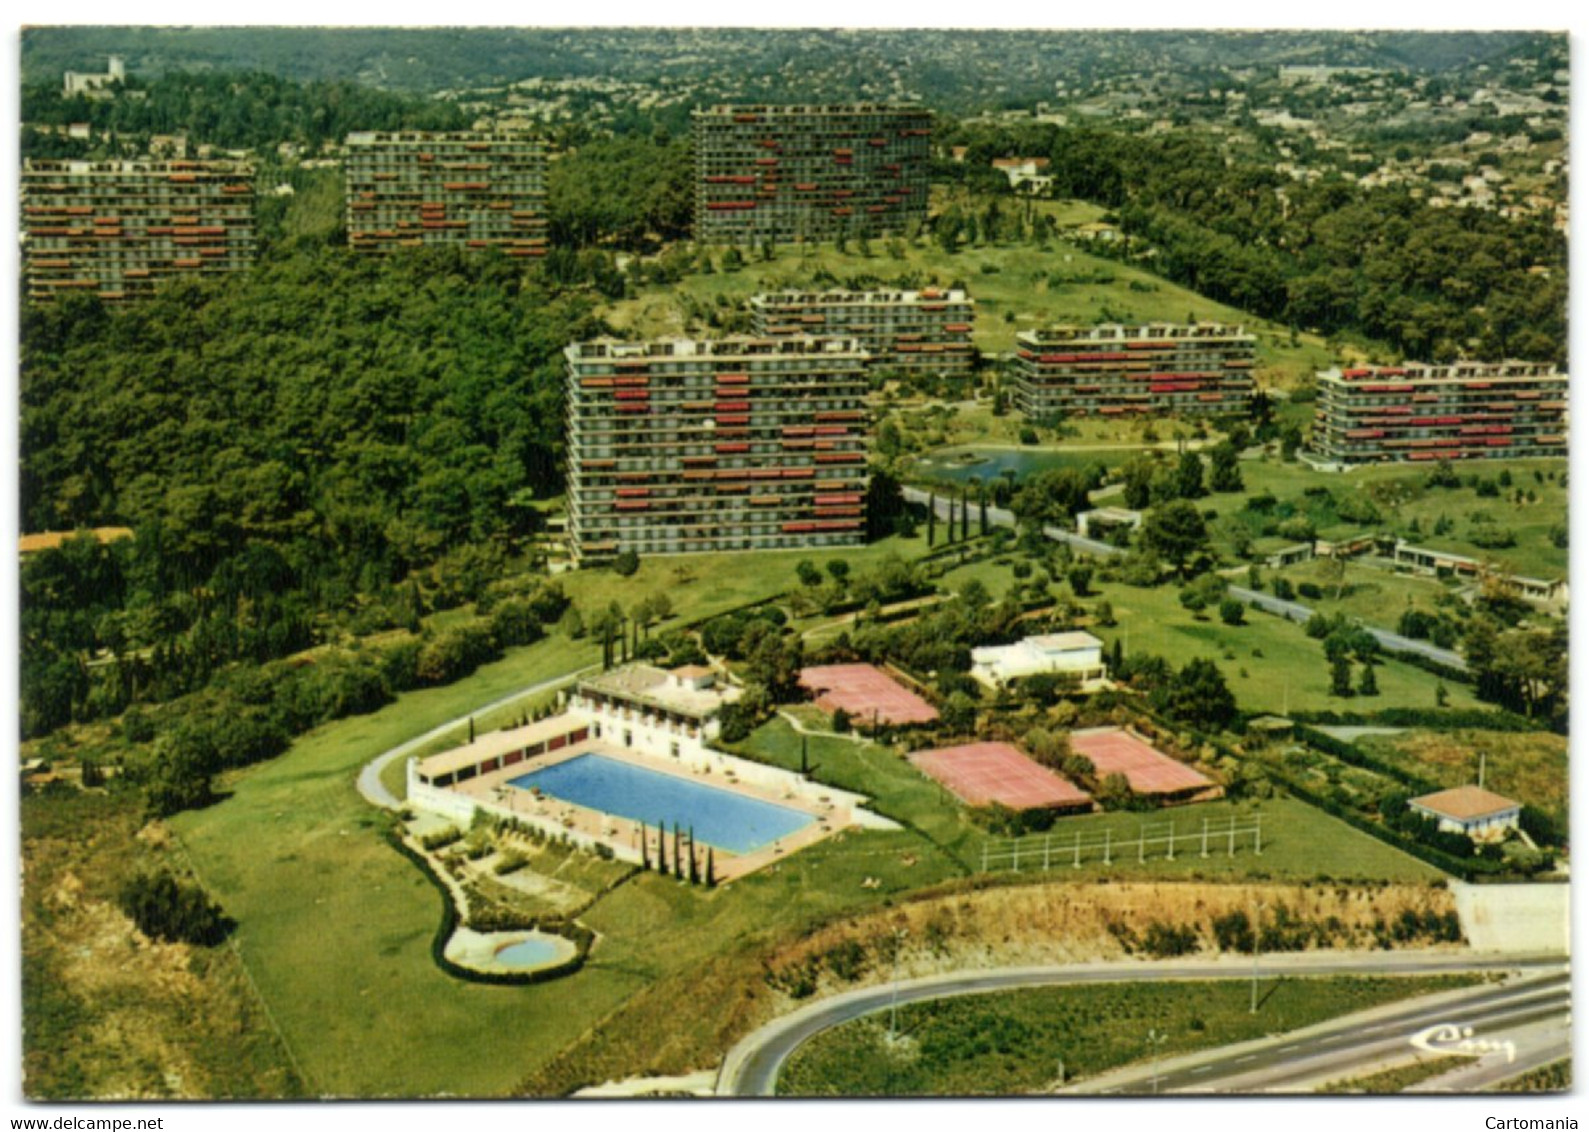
x=751, y=1067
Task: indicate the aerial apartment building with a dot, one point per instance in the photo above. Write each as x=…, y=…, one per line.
x=117, y=228
x=1203, y=367
x=794, y=173
x=1459, y=411
x=916, y=332
x=409, y=189
x=681, y=446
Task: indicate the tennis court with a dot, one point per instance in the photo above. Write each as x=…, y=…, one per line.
x=980, y=773
x=868, y=694
x=1148, y=771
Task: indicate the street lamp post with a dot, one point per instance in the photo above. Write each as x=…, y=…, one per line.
x=893, y=1005
x=1257, y=938
x=1155, y=1040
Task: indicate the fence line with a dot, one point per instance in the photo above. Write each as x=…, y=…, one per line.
x=1152, y=839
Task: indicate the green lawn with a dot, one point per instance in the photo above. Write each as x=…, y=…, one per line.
x=1016, y=287
x=1403, y=500
x=1300, y=842
x=1270, y=664
x=1012, y=1042
x=1530, y=766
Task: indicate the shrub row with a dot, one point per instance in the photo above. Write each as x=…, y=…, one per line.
x=1350, y=753
x=1474, y=719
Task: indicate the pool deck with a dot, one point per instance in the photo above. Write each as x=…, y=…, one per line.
x=493, y=793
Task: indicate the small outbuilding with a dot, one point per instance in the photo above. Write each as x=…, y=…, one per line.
x=1473, y=810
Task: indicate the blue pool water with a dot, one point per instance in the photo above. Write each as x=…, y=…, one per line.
x=726, y=820
x=532, y=951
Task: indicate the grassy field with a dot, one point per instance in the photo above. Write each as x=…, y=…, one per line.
x=1012, y=1043
x=1530, y=766
x=1299, y=841
x=1403, y=499
x=1270, y=664
x=107, y=1013
x=1016, y=287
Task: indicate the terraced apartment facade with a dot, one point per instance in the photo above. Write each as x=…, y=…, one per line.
x=1113, y=370
x=116, y=229
x=411, y=189
x=913, y=332
x=798, y=173
x=683, y=446
x=1461, y=411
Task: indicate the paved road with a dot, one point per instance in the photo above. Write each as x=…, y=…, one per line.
x=370, y=784
x=751, y=1067
x=1290, y=610
x=1353, y=1046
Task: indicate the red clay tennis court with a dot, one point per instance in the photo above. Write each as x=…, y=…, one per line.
x=866, y=693
x=979, y=773
x=1114, y=751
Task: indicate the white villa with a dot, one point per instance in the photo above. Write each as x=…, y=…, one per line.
x=1076, y=654
x=1473, y=810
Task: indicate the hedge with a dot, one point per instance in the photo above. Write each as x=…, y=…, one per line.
x=1350, y=753
x=581, y=936
x=1475, y=719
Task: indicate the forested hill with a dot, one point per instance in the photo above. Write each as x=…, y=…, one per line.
x=957, y=69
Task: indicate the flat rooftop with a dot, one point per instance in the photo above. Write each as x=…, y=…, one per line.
x=494, y=743
x=658, y=687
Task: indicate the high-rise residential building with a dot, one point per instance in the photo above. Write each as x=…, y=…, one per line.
x=409, y=189
x=792, y=173
x=681, y=446
x=1440, y=412
x=916, y=332
x=1110, y=370
x=117, y=228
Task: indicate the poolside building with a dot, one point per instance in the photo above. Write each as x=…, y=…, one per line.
x=1115, y=370
x=117, y=229
x=1077, y=655
x=629, y=755
x=471, y=189
x=907, y=332
x=798, y=173
x=1462, y=411
x=683, y=446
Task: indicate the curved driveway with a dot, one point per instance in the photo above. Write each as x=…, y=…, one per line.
x=751, y=1067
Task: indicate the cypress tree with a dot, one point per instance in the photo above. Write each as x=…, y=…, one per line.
x=932, y=517
x=694, y=876
x=711, y=875
x=803, y=739
x=982, y=500
x=677, y=871
x=645, y=853
x=471, y=729
x=662, y=849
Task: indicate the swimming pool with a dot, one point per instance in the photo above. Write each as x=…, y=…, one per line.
x=720, y=818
